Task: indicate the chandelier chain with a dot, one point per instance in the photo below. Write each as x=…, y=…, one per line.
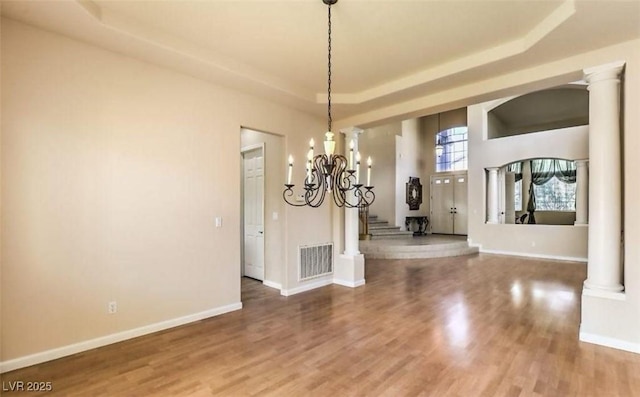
x=329, y=73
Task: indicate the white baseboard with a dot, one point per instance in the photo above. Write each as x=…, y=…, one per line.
x=346, y=283
x=48, y=355
x=610, y=342
x=529, y=255
x=306, y=287
x=272, y=284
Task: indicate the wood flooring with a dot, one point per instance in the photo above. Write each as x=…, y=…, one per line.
x=481, y=325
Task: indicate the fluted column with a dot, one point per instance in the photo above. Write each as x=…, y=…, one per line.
x=492, y=196
x=582, y=192
x=604, y=270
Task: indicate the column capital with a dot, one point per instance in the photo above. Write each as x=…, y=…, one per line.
x=351, y=132
x=493, y=169
x=609, y=71
x=581, y=162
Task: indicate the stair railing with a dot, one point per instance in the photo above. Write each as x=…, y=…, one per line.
x=363, y=214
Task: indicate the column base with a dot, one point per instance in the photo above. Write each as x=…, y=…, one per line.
x=349, y=271
x=603, y=288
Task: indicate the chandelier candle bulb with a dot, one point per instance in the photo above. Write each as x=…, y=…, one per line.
x=358, y=167
x=311, y=148
x=369, y=171
x=290, y=170
x=351, y=145
x=309, y=164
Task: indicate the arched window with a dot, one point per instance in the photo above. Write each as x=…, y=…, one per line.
x=454, y=150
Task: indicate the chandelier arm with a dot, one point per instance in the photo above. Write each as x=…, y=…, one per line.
x=315, y=193
x=288, y=193
x=368, y=197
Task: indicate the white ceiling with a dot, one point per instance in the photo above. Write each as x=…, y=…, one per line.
x=384, y=51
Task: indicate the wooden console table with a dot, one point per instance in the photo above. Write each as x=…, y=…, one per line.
x=421, y=221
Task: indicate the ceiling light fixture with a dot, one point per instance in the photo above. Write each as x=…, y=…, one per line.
x=331, y=173
x=439, y=147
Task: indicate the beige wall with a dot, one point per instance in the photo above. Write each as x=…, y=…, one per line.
x=410, y=162
x=570, y=143
x=113, y=172
x=379, y=143
x=607, y=321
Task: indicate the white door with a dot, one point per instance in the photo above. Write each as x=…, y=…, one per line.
x=460, y=204
x=442, y=204
x=253, y=178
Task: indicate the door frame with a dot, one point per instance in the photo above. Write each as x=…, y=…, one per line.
x=243, y=150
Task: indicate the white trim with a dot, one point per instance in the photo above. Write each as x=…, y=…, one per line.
x=272, y=284
x=598, y=293
x=48, y=355
x=306, y=287
x=253, y=147
x=346, y=283
x=529, y=255
x=610, y=342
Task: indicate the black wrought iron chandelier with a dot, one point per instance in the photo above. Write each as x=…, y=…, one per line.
x=331, y=174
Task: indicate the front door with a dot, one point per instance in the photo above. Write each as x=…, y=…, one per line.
x=442, y=204
x=253, y=182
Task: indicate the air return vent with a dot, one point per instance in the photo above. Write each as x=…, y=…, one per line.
x=315, y=261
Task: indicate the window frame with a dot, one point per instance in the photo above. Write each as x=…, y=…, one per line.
x=448, y=139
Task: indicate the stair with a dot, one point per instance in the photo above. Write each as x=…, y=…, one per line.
x=389, y=242
x=380, y=229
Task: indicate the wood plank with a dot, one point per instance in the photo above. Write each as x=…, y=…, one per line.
x=478, y=325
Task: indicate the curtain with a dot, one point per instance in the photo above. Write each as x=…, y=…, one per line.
x=566, y=171
x=542, y=171
x=531, y=205
x=515, y=168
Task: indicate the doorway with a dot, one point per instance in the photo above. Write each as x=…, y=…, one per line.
x=253, y=212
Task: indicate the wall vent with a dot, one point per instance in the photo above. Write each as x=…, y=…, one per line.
x=315, y=261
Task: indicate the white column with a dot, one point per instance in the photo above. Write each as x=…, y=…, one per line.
x=582, y=192
x=349, y=269
x=351, y=216
x=492, y=196
x=604, y=270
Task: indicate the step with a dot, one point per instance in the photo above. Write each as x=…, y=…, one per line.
x=442, y=253
x=407, y=247
x=382, y=227
x=378, y=223
x=376, y=235
x=422, y=247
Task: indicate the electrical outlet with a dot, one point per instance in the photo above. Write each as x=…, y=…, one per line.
x=112, y=307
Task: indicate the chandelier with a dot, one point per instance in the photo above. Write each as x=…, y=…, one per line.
x=331, y=174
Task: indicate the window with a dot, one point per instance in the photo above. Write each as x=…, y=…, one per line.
x=555, y=195
x=518, y=196
x=454, y=149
